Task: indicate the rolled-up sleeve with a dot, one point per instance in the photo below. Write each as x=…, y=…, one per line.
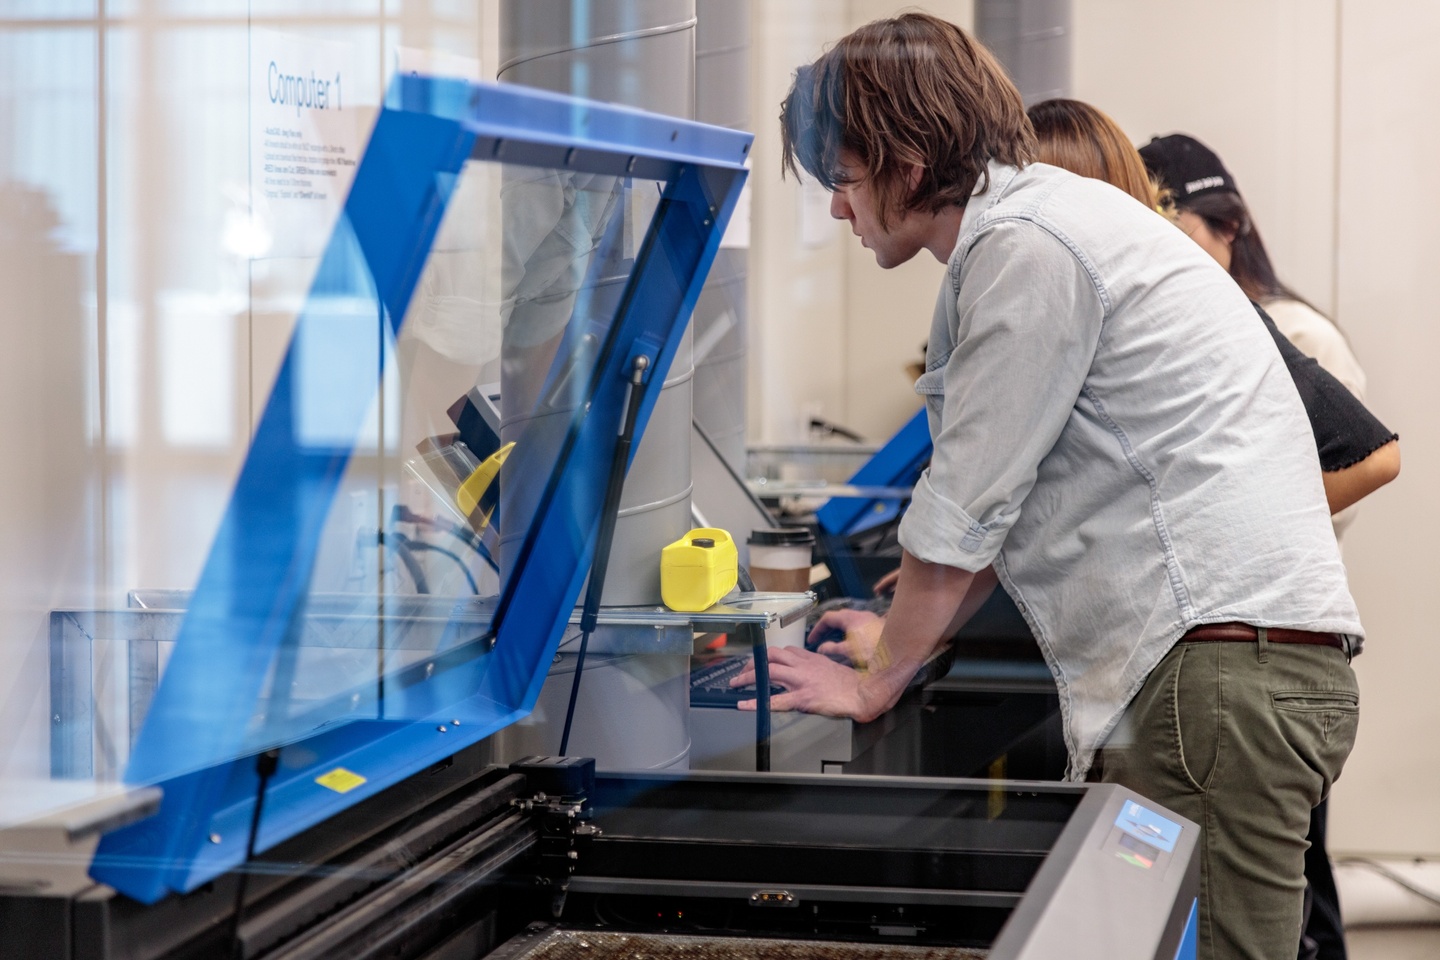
x=1026, y=320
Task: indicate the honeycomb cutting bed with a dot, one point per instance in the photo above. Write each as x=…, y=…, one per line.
x=556, y=944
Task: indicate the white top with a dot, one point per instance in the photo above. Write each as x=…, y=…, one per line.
x=1119, y=436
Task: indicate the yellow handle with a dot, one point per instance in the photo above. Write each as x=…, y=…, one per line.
x=472, y=492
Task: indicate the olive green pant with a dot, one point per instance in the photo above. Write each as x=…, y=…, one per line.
x=1243, y=738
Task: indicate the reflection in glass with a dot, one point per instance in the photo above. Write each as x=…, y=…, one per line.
x=520, y=290
x=564, y=266
x=47, y=9
x=52, y=485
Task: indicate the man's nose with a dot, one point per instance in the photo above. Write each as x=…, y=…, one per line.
x=839, y=206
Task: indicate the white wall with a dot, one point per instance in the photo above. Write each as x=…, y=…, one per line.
x=1389, y=219
x=832, y=333
x=797, y=260
x=1254, y=81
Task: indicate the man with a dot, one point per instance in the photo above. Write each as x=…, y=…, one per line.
x=1118, y=440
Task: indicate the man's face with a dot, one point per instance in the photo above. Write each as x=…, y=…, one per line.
x=855, y=202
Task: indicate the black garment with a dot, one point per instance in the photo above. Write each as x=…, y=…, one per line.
x=1324, y=937
x=1346, y=432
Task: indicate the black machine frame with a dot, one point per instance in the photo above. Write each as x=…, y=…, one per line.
x=461, y=858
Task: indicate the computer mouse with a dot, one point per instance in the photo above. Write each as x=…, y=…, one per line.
x=828, y=635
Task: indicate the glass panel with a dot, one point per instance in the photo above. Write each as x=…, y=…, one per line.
x=47, y=134
x=316, y=8
x=54, y=476
x=469, y=423
x=176, y=351
x=46, y=9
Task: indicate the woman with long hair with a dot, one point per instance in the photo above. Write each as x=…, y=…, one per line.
x=1084, y=140
x=1205, y=202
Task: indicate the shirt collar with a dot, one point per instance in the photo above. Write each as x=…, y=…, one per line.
x=996, y=181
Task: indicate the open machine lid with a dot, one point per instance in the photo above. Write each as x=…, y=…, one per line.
x=491, y=234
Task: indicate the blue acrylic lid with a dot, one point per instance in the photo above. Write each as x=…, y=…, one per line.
x=545, y=234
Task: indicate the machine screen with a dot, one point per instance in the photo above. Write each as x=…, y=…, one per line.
x=1148, y=826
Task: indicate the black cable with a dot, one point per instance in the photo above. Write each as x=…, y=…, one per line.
x=399, y=544
x=609, y=511
x=403, y=514
x=465, y=535
x=761, y=655
x=762, y=697
x=422, y=545
x=265, y=766
x=468, y=537
x=828, y=429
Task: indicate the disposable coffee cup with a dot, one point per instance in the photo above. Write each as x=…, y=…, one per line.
x=780, y=563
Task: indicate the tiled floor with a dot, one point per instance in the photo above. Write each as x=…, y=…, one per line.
x=1394, y=943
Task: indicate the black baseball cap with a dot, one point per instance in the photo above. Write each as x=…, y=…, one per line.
x=1186, y=167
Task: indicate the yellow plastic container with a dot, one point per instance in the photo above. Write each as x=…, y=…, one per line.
x=698, y=569
x=477, y=495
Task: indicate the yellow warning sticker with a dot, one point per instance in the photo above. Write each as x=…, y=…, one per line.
x=340, y=780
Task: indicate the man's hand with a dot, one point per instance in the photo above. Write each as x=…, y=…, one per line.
x=852, y=634
x=930, y=604
x=886, y=584
x=814, y=684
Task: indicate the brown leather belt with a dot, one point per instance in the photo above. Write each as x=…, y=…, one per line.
x=1245, y=633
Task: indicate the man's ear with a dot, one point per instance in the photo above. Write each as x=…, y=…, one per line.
x=913, y=175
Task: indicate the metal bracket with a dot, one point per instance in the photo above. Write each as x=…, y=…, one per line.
x=563, y=823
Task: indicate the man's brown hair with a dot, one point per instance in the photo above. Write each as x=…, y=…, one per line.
x=1084, y=140
x=914, y=91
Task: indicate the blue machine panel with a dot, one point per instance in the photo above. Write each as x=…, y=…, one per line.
x=580, y=237
x=897, y=464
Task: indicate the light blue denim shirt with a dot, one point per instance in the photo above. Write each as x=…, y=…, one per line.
x=1115, y=431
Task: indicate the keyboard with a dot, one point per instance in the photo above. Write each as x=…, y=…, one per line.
x=710, y=677
x=710, y=682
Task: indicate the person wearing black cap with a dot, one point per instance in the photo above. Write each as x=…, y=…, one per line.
x=1203, y=199
x=1202, y=196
